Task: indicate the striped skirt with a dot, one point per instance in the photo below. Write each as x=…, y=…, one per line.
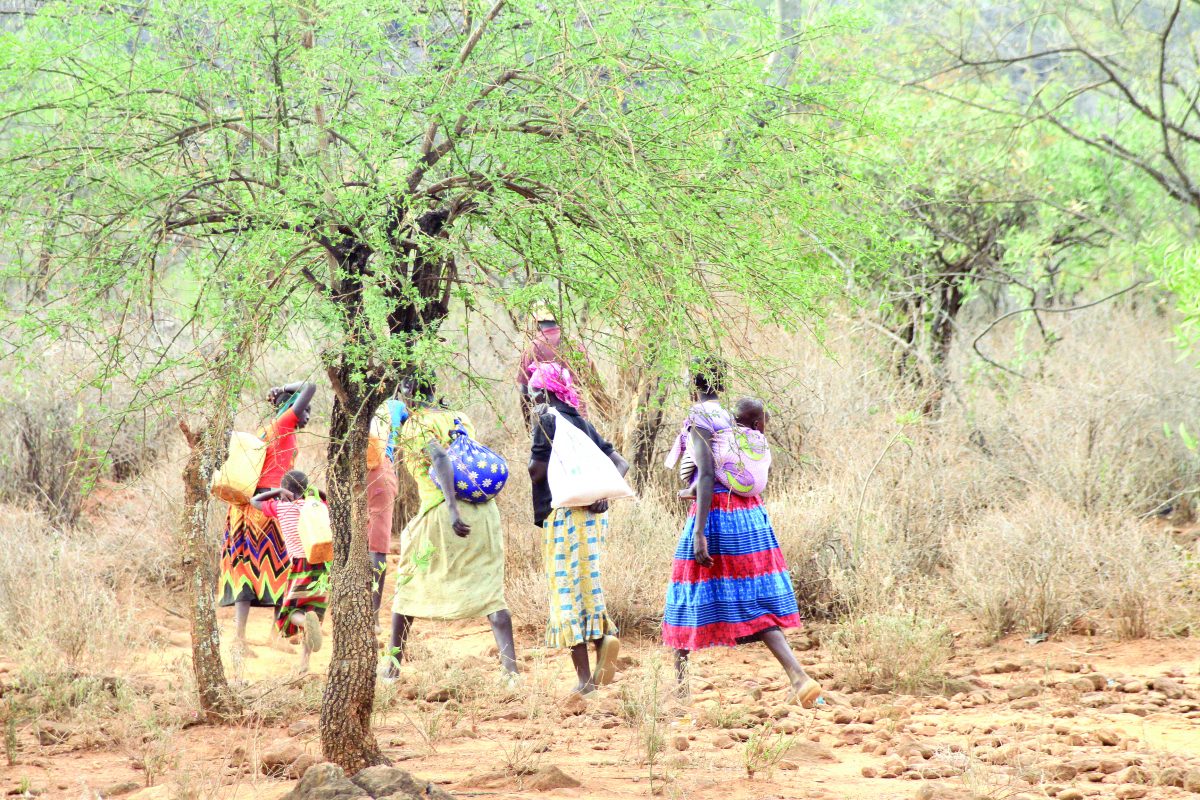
x=254, y=561
x=747, y=590
x=307, y=590
x=574, y=539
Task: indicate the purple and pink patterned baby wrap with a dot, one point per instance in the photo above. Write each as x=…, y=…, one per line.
x=741, y=457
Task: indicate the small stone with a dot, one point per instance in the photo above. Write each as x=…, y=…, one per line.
x=383, y=781
x=844, y=716
x=118, y=789
x=1025, y=705
x=324, y=780
x=295, y=771
x=1023, y=691
x=549, y=778
x=1059, y=772
x=680, y=742
x=1099, y=682
x=439, y=694
x=1130, y=792
x=1070, y=794
x=52, y=733
x=722, y=741
x=1191, y=781
x=1171, y=776
x=870, y=772
x=302, y=728
x=1133, y=687
x=574, y=705
x=1134, y=774
x=1168, y=687
x=1108, y=737
x=280, y=755
x=1002, y=667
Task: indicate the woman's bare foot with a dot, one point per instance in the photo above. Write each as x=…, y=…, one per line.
x=240, y=650
x=584, y=689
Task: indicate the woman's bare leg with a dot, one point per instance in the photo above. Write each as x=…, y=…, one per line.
x=502, y=630
x=583, y=668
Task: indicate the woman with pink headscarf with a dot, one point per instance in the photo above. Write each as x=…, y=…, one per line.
x=574, y=537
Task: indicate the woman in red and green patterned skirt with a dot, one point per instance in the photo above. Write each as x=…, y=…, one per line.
x=254, y=561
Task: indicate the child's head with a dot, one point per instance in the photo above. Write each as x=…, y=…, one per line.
x=751, y=413
x=295, y=482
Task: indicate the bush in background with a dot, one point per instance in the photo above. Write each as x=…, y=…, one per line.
x=1042, y=564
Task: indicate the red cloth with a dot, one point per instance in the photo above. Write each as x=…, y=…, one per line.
x=548, y=345
x=281, y=450
x=382, y=488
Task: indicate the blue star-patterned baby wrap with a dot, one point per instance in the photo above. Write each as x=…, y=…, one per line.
x=479, y=473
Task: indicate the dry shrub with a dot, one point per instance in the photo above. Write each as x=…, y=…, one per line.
x=1044, y=563
x=1088, y=422
x=896, y=651
x=44, y=459
x=64, y=599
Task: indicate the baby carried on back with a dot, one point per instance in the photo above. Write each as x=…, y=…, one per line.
x=740, y=454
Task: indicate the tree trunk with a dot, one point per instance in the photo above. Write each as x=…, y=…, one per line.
x=648, y=416
x=346, y=737
x=215, y=698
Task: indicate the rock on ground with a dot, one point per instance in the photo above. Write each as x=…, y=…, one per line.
x=326, y=781
x=396, y=783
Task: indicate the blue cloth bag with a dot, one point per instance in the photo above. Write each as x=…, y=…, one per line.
x=479, y=473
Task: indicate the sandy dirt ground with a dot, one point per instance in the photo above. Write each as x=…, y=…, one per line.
x=1083, y=717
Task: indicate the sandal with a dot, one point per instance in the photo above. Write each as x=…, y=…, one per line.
x=606, y=661
x=312, y=632
x=807, y=693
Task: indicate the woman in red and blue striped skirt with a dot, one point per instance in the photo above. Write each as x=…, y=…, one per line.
x=729, y=583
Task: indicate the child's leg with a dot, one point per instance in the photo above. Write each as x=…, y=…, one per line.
x=502, y=630
x=777, y=643
x=583, y=668
x=401, y=625
x=305, y=648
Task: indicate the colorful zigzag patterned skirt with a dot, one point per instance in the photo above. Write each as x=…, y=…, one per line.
x=747, y=590
x=254, y=561
x=307, y=590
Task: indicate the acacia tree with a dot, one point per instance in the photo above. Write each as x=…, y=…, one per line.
x=1121, y=80
x=365, y=165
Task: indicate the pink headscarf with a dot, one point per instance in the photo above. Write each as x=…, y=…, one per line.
x=554, y=378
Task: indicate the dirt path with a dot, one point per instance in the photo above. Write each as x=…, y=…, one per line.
x=1108, y=719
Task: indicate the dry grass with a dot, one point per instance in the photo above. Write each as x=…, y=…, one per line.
x=901, y=651
x=65, y=596
x=1043, y=563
